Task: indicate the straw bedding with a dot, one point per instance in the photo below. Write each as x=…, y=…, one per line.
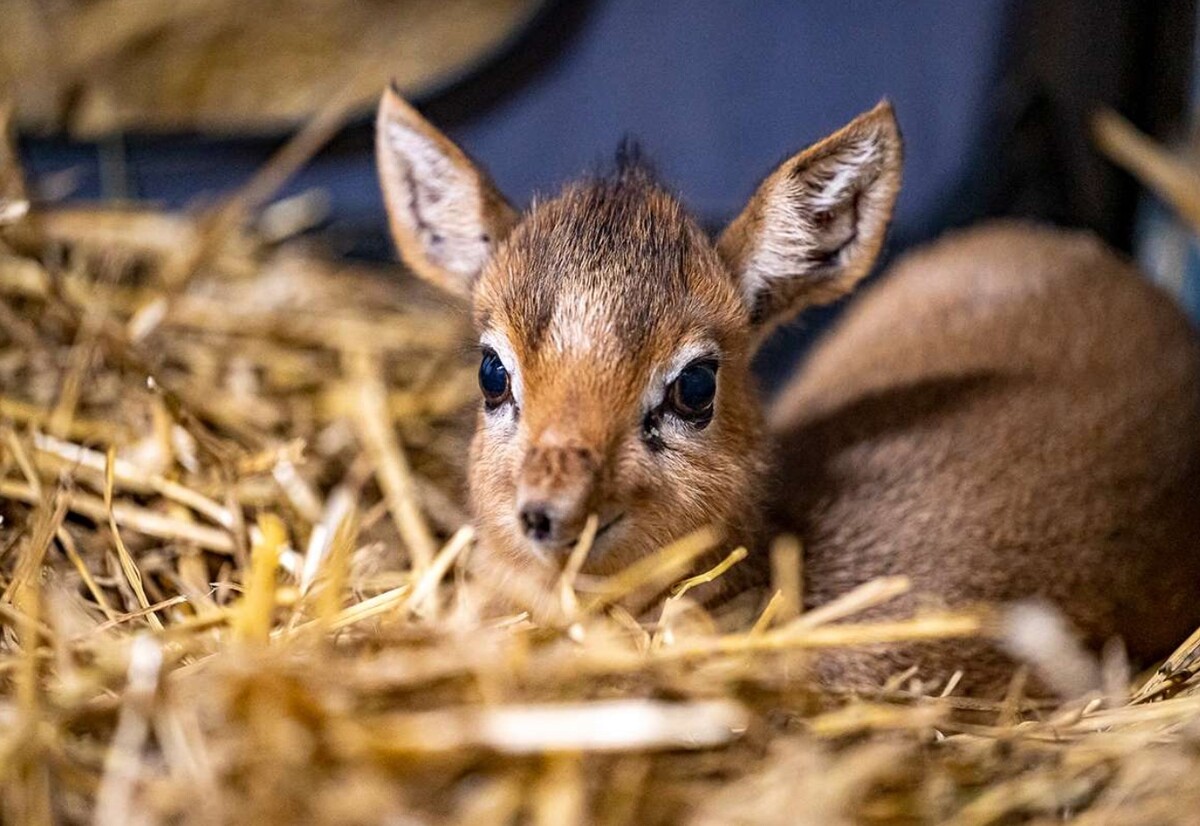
x=97, y=68
x=234, y=587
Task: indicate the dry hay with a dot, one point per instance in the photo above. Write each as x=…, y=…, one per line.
x=233, y=588
x=101, y=66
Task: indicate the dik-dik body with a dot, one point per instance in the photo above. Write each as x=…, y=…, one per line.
x=1012, y=413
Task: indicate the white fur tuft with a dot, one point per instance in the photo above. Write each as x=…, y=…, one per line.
x=1036, y=633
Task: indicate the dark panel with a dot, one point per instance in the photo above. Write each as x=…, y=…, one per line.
x=1069, y=57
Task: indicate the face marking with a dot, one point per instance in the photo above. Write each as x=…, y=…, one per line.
x=579, y=324
x=597, y=267
x=687, y=354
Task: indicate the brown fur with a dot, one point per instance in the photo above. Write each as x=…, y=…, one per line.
x=637, y=277
x=1012, y=413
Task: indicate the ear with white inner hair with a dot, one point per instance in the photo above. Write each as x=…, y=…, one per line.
x=815, y=226
x=446, y=216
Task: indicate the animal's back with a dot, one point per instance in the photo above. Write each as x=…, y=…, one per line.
x=1012, y=412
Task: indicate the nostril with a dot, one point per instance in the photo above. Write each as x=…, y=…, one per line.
x=536, y=521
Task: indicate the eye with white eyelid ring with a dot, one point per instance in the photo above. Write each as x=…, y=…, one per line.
x=690, y=398
x=494, y=380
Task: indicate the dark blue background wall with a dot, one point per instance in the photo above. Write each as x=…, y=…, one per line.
x=718, y=91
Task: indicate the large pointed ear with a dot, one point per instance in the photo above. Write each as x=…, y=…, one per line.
x=816, y=224
x=444, y=212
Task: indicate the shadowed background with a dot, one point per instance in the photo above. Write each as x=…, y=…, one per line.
x=992, y=96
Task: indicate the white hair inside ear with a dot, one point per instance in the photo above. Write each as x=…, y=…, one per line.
x=445, y=214
x=815, y=226
x=438, y=202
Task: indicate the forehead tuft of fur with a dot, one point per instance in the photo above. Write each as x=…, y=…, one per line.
x=605, y=265
x=631, y=161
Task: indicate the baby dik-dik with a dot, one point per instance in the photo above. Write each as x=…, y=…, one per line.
x=1012, y=414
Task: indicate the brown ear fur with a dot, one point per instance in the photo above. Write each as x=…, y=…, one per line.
x=815, y=226
x=445, y=214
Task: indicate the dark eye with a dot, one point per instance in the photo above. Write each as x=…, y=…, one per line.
x=691, y=394
x=493, y=379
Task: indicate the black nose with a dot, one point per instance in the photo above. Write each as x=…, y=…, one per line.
x=537, y=521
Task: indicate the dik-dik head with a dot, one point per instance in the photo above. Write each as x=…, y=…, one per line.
x=615, y=337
